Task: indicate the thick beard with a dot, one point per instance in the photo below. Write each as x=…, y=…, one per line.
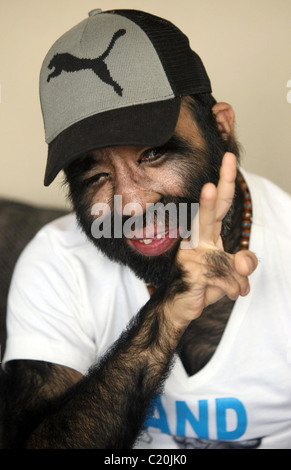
x=153, y=270
x=194, y=170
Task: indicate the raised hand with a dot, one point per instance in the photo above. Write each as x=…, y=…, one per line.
x=208, y=272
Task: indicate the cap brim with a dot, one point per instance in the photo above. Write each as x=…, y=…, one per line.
x=149, y=124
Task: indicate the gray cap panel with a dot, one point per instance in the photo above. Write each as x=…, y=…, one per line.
x=97, y=67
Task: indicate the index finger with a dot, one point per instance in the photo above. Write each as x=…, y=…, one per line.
x=204, y=221
x=214, y=204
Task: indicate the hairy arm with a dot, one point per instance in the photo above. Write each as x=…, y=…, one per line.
x=49, y=406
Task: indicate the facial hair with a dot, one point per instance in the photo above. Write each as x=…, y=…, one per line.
x=151, y=269
x=195, y=169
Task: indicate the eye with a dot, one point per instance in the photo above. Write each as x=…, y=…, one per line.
x=152, y=155
x=98, y=178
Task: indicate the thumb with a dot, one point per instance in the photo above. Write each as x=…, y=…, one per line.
x=245, y=262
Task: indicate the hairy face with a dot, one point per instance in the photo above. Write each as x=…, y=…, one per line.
x=171, y=176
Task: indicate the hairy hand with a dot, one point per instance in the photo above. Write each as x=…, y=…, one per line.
x=207, y=271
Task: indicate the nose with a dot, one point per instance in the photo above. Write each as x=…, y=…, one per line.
x=133, y=201
x=134, y=188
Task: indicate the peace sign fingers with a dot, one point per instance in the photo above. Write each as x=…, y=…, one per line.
x=215, y=202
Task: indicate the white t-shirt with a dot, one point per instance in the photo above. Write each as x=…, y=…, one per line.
x=68, y=303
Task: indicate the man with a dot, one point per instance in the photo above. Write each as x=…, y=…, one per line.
x=92, y=359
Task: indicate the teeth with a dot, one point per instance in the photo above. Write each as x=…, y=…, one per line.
x=160, y=235
x=147, y=241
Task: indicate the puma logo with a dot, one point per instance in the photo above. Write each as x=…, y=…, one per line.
x=66, y=62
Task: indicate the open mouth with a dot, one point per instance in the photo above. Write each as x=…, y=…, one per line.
x=155, y=245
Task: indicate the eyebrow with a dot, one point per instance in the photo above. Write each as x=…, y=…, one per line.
x=176, y=144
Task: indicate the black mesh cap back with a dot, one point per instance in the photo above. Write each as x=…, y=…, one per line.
x=184, y=68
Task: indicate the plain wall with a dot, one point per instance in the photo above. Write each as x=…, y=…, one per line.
x=244, y=44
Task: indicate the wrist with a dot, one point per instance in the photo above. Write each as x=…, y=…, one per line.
x=174, y=318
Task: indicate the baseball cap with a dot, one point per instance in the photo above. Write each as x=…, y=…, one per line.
x=116, y=78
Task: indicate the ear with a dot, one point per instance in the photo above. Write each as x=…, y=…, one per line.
x=225, y=117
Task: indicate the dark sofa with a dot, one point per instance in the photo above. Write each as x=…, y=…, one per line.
x=19, y=222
